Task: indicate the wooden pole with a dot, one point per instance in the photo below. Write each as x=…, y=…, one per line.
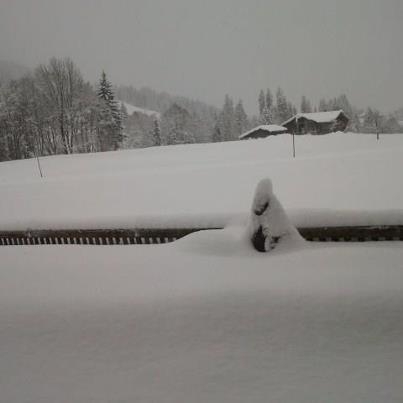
x=37, y=160
x=39, y=166
x=293, y=136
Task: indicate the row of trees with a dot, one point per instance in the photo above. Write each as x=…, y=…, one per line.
x=54, y=111
x=274, y=111
x=365, y=121
x=188, y=122
x=231, y=121
x=199, y=117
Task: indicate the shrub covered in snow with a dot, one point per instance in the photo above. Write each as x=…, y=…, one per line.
x=268, y=223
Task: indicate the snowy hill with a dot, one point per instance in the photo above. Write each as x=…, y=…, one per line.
x=134, y=109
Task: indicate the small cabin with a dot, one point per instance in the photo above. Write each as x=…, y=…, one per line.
x=263, y=131
x=317, y=122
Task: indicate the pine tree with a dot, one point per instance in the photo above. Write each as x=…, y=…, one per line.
x=105, y=94
x=217, y=137
x=241, y=119
x=262, y=102
x=227, y=119
x=157, y=133
x=282, y=107
x=266, y=114
x=267, y=117
x=177, y=125
x=269, y=100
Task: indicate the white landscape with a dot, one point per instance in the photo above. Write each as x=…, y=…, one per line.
x=208, y=184
x=206, y=318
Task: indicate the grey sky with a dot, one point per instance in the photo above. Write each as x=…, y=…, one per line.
x=206, y=48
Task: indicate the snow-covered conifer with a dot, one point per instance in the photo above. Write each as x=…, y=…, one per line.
x=267, y=117
x=269, y=100
x=106, y=95
x=241, y=119
x=268, y=223
x=217, y=136
x=227, y=120
x=282, y=107
x=105, y=91
x=262, y=102
x=157, y=132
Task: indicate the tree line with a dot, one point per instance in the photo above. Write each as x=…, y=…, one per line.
x=367, y=120
x=53, y=110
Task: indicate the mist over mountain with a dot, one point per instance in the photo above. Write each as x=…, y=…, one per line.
x=10, y=70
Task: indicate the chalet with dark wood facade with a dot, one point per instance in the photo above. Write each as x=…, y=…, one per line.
x=263, y=131
x=317, y=123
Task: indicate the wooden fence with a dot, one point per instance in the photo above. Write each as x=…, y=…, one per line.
x=165, y=235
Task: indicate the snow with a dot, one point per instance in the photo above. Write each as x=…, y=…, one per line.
x=135, y=109
x=268, y=223
x=318, y=117
x=268, y=128
x=205, y=319
x=342, y=178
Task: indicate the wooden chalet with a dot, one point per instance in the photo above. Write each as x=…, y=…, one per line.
x=317, y=122
x=263, y=131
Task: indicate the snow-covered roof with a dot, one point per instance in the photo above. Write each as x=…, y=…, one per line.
x=267, y=128
x=135, y=109
x=318, y=117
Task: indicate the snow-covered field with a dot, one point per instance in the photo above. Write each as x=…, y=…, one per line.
x=208, y=184
x=204, y=319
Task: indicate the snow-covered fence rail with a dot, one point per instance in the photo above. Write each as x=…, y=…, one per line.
x=93, y=236
x=165, y=235
x=353, y=233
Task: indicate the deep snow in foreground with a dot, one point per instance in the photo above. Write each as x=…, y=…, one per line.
x=209, y=184
x=205, y=319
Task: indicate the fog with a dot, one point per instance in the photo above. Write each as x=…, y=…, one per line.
x=205, y=49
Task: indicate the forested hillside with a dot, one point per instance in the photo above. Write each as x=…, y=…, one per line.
x=54, y=110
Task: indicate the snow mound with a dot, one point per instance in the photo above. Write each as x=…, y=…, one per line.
x=269, y=223
x=268, y=218
x=230, y=242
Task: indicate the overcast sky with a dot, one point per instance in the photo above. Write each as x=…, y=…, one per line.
x=207, y=48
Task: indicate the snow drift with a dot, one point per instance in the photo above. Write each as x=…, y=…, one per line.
x=268, y=224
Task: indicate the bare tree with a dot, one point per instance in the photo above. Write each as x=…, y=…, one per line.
x=61, y=85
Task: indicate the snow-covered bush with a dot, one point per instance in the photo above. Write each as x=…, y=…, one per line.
x=268, y=223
